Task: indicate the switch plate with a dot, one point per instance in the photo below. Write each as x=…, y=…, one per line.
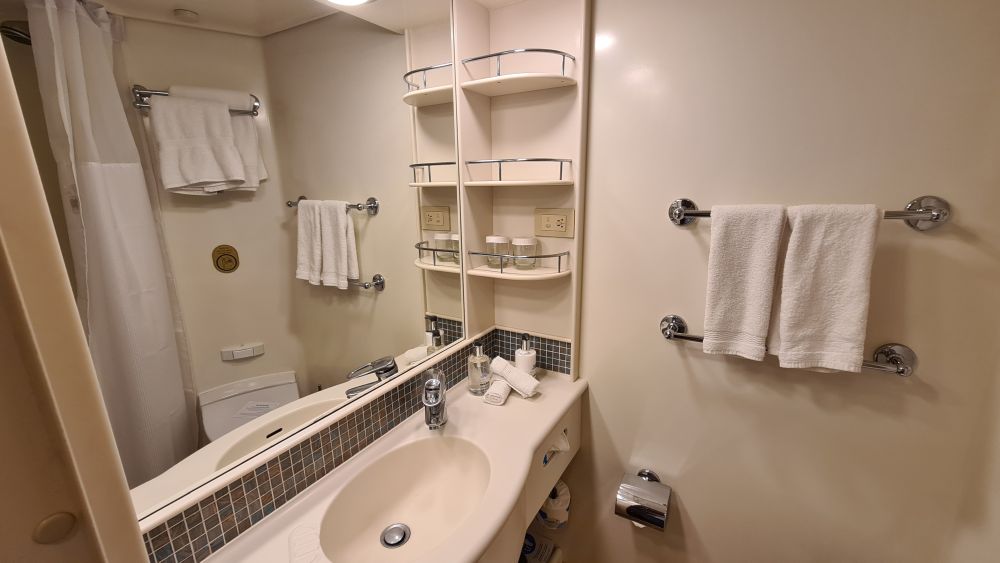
x=435, y=218
x=555, y=222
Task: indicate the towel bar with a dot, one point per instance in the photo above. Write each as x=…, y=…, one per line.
x=141, y=95
x=898, y=359
x=371, y=205
x=378, y=282
x=922, y=214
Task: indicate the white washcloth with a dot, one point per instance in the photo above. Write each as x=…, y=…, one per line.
x=822, y=311
x=497, y=393
x=340, y=252
x=244, y=131
x=195, y=148
x=741, y=264
x=524, y=384
x=310, y=250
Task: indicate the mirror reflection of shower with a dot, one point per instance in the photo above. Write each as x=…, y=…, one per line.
x=9, y=30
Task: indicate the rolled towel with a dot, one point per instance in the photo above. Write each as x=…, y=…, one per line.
x=414, y=355
x=524, y=384
x=497, y=393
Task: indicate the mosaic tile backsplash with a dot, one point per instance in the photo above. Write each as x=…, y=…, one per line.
x=217, y=519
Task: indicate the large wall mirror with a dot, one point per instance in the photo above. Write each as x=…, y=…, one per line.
x=281, y=294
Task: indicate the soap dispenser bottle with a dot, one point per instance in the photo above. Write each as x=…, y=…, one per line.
x=525, y=357
x=479, y=370
x=436, y=341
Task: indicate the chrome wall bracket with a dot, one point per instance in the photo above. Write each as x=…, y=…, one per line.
x=378, y=282
x=894, y=358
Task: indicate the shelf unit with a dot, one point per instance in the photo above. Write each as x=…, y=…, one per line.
x=500, y=84
x=521, y=77
x=512, y=272
x=448, y=269
x=419, y=94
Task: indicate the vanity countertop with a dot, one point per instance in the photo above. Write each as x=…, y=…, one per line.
x=508, y=436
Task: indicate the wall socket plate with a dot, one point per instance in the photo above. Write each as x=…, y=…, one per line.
x=435, y=218
x=555, y=222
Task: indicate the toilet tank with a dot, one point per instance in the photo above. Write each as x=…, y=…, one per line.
x=226, y=407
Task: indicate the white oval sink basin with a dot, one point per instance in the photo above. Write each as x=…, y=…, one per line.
x=431, y=485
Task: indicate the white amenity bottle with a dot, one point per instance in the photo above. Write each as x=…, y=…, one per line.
x=525, y=357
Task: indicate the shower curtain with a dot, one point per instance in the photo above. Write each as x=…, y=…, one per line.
x=122, y=289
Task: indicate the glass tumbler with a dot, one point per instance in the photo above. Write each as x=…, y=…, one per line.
x=497, y=244
x=524, y=246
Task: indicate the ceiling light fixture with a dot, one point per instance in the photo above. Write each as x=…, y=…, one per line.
x=348, y=2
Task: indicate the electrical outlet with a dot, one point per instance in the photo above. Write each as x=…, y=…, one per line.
x=435, y=218
x=554, y=223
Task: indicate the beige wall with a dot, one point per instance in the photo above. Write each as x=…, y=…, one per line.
x=343, y=133
x=792, y=102
x=254, y=303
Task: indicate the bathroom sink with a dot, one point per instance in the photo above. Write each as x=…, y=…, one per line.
x=431, y=486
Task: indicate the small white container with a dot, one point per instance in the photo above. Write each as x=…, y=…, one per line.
x=497, y=244
x=524, y=246
x=443, y=241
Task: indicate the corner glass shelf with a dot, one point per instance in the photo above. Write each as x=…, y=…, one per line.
x=509, y=271
x=515, y=83
x=559, y=178
x=418, y=94
x=423, y=176
x=436, y=259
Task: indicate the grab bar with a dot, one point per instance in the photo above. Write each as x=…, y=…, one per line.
x=892, y=358
x=922, y=214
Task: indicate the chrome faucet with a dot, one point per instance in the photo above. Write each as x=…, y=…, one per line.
x=383, y=368
x=435, y=409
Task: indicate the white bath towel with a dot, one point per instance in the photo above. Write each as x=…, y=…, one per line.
x=822, y=310
x=524, y=384
x=340, y=252
x=310, y=247
x=741, y=264
x=196, y=152
x=244, y=131
x=497, y=393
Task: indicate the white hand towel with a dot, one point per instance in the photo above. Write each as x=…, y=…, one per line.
x=194, y=143
x=497, y=393
x=340, y=252
x=822, y=313
x=524, y=384
x=244, y=131
x=310, y=252
x=741, y=264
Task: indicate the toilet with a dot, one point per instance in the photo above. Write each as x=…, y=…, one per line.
x=229, y=406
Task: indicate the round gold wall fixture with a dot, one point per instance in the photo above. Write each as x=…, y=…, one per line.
x=54, y=528
x=225, y=258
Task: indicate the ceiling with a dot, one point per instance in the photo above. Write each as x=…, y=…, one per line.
x=263, y=17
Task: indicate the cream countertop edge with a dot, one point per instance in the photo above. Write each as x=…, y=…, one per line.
x=524, y=424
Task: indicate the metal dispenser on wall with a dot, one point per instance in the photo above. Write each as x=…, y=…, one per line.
x=643, y=499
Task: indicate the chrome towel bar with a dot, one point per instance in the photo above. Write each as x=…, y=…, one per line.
x=378, y=282
x=922, y=214
x=889, y=358
x=371, y=205
x=141, y=95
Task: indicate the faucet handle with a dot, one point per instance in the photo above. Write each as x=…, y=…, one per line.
x=432, y=393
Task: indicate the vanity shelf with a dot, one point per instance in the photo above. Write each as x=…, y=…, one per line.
x=511, y=272
x=418, y=94
x=433, y=262
x=423, y=176
x=426, y=264
x=515, y=83
x=559, y=179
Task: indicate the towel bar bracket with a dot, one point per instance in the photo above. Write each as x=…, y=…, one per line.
x=897, y=359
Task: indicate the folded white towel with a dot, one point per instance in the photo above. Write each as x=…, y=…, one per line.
x=340, y=252
x=244, y=131
x=310, y=251
x=741, y=264
x=497, y=393
x=524, y=384
x=194, y=144
x=822, y=312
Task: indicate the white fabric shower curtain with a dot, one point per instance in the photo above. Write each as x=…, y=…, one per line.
x=122, y=289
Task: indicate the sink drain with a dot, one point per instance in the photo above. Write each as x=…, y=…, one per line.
x=395, y=535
